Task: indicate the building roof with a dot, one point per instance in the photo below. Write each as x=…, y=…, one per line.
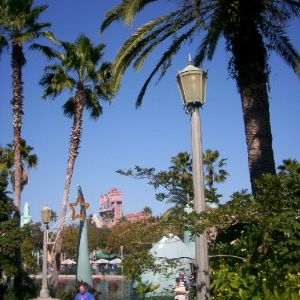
x=129, y=215
x=171, y=248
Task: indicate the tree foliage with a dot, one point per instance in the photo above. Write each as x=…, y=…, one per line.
x=11, y=236
x=70, y=240
x=28, y=161
x=31, y=247
x=137, y=239
x=177, y=180
x=97, y=238
x=256, y=252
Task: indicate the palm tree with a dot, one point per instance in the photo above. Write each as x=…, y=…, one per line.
x=28, y=161
x=147, y=211
x=210, y=162
x=78, y=69
x=53, y=217
x=289, y=166
x=252, y=29
x=182, y=170
x=182, y=167
x=18, y=26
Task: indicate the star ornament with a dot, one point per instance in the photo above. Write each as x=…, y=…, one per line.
x=83, y=209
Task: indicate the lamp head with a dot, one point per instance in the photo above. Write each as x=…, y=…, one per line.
x=46, y=214
x=192, y=85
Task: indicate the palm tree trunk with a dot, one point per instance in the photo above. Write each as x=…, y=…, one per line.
x=252, y=73
x=73, y=152
x=17, y=62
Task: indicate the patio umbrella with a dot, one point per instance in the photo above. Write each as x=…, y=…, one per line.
x=68, y=262
x=115, y=261
x=101, y=254
x=101, y=261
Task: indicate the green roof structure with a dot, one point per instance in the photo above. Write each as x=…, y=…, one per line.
x=101, y=254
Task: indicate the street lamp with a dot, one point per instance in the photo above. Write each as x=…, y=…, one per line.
x=192, y=86
x=46, y=214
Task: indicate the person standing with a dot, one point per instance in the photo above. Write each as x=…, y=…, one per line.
x=84, y=294
x=114, y=268
x=179, y=290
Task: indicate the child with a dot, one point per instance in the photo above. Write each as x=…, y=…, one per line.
x=179, y=290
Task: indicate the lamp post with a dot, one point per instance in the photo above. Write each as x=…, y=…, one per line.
x=121, y=252
x=192, y=86
x=46, y=214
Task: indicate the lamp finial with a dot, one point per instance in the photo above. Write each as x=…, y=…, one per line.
x=190, y=59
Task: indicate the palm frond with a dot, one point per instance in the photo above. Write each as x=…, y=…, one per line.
x=170, y=26
x=280, y=43
x=47, y=51
x=92, y=104
x=167, y=55
x=69, y=108
x=111, y=16
x=49, y=36
x=209, y=43
x=125, y=11
x=54, y=81
x=130, y=8
x=3, y=44
x=133, y=40
x=131, y=48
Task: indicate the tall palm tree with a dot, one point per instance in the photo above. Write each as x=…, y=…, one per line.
x=78, y=69
x=18, y=23
x=252, y=29
x=28, y=161
x=210, y=162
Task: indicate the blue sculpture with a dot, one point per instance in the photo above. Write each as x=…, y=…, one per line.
x=83, y=259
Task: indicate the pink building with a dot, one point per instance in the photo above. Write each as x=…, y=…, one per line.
x=136, y=217
x=111, y=210
x=110, y=207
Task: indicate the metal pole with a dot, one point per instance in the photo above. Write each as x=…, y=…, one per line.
x=202, y=260
x=44, y=293
x=121, y=250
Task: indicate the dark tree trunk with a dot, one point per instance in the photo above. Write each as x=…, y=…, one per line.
x=73, y=152
x=17, y=61
x=250, y=61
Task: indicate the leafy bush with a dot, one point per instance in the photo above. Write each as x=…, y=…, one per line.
x=29, y=289
x=256, y=254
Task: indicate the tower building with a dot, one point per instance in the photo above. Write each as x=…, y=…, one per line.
x=110, y=207
x=26, y=217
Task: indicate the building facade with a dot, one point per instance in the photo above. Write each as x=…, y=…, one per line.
x=136, y=217
x=110, y=208
x=26, y=217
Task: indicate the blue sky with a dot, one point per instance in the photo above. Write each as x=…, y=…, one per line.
x=123, y=136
